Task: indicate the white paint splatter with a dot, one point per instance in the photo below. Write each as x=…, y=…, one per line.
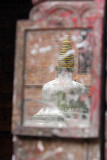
x=70, y=156
x=82, y=45
x=83, y=33
x=14, y=139
x=59, y=150
x=40, y=146
x=45, y=49
x=33, y=52
x=51, y=68
x=74, y=38
x=51, y=153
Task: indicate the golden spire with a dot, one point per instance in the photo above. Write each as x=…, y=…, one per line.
x=67, y=38
x=66, y=57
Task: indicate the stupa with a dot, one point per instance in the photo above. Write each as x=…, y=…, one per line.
x=63, y=98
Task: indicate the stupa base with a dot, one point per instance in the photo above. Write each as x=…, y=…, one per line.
x=57, y=121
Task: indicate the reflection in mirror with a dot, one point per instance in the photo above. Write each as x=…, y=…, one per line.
x=57, y=78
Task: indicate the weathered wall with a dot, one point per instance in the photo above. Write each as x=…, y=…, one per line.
x=42, y=148
x=46, y=148
x=55, y=149
x=10, y=12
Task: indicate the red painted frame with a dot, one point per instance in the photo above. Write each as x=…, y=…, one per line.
x=52, y=15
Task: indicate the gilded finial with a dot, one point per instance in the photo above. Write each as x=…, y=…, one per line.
x=66, y=58
x=67, y=38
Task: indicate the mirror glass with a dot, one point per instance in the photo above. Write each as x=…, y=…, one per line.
x=57, y=78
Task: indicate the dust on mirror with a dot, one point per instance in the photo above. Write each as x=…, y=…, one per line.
x=57, y=78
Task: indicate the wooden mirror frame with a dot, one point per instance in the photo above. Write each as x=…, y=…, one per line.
x=81, y=16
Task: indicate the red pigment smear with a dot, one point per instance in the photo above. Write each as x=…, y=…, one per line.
x=74, y=21
x=99, y=2
x=93, y=107
x=64, y=14
x=53, y=21
x=71, y=11
x=40, y=20
x=92, y=89
x=94, y=73
x=52, y=11
x=58, y=155
x=92, y=19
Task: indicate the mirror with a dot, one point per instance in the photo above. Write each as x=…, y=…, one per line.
x=57, y=78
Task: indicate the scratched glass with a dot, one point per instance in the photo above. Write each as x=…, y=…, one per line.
x=57, y=78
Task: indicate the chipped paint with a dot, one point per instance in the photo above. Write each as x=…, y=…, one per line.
x=54, y=14
x=40, y=146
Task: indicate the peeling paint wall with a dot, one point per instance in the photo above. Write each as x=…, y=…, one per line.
x=55, y=149
x=39, y=148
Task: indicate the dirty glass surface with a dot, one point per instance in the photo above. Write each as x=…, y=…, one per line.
x=57, y=78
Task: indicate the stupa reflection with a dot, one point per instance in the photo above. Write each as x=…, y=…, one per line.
x=63, y=98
